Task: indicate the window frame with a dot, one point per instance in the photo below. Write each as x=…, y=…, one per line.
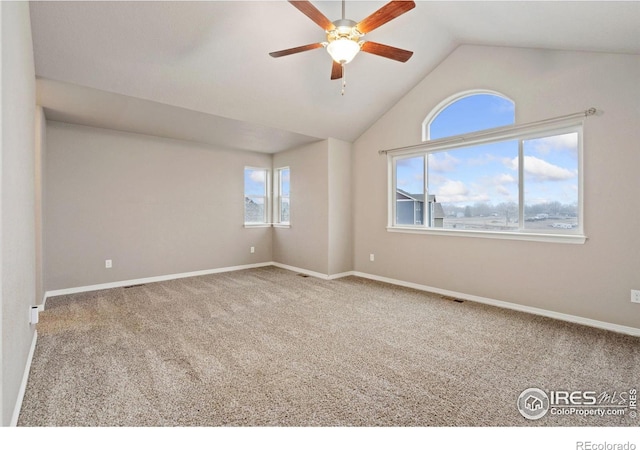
x=488, y=136
x=267, y=198
x=277, y=198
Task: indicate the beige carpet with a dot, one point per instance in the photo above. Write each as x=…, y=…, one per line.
x=267, y=347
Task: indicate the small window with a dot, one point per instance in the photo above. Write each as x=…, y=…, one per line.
x=282, y=196
x=256, y=196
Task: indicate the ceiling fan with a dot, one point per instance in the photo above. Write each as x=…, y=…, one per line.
x=344, y=35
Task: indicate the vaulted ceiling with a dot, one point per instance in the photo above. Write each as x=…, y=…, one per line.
x=201, y=70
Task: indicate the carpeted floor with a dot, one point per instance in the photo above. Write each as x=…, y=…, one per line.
x=267, y=347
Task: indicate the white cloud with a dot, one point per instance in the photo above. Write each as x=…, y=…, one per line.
x=442, y=162
x=545, y=145
x=481, y=160
x=453, y=191
x=503, y=191
x=541, y=170
x=258, y=176
x=451, y=187
x=504, y=178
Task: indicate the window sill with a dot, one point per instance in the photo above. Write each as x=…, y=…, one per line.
x=517, y=236
x=267, y=225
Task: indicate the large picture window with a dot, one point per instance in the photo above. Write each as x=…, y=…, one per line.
x=488, y=177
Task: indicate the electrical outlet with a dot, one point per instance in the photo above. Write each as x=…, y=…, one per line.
x=33, y=315
x=372, y=257
x=635, y=296
x=108, y=264
x=252, y=250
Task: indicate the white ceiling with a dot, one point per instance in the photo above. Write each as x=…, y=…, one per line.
x=201, y=70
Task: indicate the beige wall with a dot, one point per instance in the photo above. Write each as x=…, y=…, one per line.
x=152, y=205
x=592, y=280
x=319, y=238
x=339, y=214
x=17, y=200
x=306, y=243
x=160, y=207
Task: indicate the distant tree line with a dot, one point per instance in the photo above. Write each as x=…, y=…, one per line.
x=510, y=210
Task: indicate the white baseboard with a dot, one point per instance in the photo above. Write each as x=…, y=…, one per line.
x=311, y=273
x=474, y=298
x=507, y=305
x=299, y=270
x=175, y=276
x=335, y=276
x=23, y=384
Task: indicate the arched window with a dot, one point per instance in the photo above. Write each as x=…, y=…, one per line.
x=467, y=112
x=479, y=172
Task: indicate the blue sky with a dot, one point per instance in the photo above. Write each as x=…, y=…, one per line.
x=489, y=173
x=285, y=181
x=254, y=181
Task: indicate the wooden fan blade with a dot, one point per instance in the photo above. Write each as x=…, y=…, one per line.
x=388, y=12
x=386, y=51
x=312, y=13
x=336, y=71
x=291, y=51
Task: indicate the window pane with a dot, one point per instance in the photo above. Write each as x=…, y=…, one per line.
x=472, y=113
x=551, y=183
x=254, y=210
x=410, y=191
x=282, y=204
x=474, y=188
x=255, y=195
x=284, y=182
x=284, y=210
x=255, y=181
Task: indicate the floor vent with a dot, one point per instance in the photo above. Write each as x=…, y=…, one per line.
x=452, y=299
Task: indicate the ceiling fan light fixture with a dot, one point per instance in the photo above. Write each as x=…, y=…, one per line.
x=343, y=36
x=343, y=50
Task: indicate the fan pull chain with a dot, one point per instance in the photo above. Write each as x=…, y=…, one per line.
x=344, y=78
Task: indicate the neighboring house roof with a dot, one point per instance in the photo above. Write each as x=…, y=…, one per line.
x=438, y=212
x=416, y=197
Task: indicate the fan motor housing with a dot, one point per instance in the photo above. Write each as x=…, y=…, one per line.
x=344, y=28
